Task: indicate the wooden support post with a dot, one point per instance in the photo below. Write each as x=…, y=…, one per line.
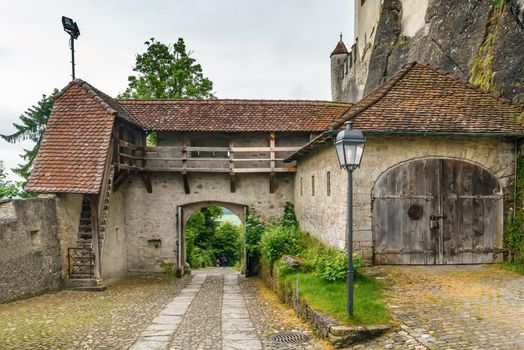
x=120, y=179
x=232, y=178
x=95, y=243
x=184, y=165
x=146, y=176
x=272, y=182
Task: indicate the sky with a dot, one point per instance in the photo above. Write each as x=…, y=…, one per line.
x=271, y=49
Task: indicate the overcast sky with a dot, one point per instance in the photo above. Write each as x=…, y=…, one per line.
x=249, y=49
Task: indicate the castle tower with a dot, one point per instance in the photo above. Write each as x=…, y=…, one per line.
x=338, y=64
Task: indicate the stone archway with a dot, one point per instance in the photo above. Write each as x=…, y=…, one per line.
x=185, y=211
x=437, y=211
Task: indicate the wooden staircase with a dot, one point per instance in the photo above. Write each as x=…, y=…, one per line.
x=106, y=198
x=82, y=257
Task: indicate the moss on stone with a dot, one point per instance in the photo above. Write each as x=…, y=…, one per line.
x=482, y=74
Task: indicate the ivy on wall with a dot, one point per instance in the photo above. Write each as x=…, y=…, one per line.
x=514, y=235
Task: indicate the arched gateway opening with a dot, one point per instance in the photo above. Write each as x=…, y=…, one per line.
x=437, y=211
x=196, y=249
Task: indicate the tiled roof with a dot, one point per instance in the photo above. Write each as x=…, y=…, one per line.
x=340, y=48
x=75, y=144
x=420, y=98
x=235, y=115
x=423, y=100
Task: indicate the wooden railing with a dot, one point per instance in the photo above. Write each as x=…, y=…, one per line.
x=178, y=159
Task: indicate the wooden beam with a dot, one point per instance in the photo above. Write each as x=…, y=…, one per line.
x=272, y=144
x=233, y=182
x=120, y=179
x=272, y=183
x=146, y=177
x=95, y=242
x=186, y=183
x=218, y=170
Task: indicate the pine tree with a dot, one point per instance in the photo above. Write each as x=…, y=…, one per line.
x=31, y=127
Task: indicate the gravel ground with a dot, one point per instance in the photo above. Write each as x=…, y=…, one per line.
x=111, y=319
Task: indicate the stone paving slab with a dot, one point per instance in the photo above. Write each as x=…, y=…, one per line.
x=170, y=318
x=233, y=336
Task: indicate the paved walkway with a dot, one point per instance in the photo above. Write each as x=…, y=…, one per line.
x=453, y=307
x=211, y=313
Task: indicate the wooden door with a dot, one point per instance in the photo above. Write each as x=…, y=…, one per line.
x=437, y=211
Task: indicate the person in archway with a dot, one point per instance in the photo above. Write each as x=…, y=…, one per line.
x=223, y=261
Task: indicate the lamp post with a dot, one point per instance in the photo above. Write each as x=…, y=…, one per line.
x=71, y=28
x=349, y=145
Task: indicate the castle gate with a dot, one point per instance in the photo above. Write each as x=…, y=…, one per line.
x=437, y=211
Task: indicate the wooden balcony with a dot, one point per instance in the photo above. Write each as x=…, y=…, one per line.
x=185, y=159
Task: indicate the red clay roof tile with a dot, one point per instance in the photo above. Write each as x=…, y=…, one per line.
x=235, y=115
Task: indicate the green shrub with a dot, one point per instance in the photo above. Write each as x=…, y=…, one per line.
x=332, y=265
x=279, y=240
x=254, y=230
x=201, y=258
x=169, y=268
x=285, y=268
x=289, y=219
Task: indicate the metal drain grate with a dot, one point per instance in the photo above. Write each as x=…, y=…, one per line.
x=290, y=337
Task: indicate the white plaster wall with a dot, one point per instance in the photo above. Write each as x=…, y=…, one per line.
x=153, y=216
x=413, y=16
x=114, y=259
x=325, y=217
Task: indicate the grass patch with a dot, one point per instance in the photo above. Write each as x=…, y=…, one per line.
x=511, y=266
x=330, y=298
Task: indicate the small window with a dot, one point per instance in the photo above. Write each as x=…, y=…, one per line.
x=362, y=2
x=154, y=243
x=313, y=185
x=328, y=183
x=301, y=187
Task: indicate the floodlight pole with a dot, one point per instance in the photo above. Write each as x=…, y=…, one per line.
x=72, y=45
x=350, y=243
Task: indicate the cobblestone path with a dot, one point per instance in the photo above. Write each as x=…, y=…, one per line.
x=215, y=313
x=111, y=319
x=453, y=307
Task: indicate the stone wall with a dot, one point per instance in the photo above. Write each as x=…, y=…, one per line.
x=114, y=253
x=151, y=218
x=324, y=216
x=68, y=207
x=30, y=262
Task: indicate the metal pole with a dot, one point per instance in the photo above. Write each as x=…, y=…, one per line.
x=350, y=244
x=296, y=293
x=72, y=43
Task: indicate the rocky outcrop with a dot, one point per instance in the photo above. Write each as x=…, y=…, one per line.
x=479, y=38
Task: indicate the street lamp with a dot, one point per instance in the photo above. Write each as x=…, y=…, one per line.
x=349, y=145
x=71, y=28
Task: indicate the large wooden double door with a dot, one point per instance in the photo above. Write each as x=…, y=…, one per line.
x=437, y=211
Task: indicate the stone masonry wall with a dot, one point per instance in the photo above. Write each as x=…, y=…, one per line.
x=30, y=262
x=114, y=258
x=325, y=216
x=151, y=223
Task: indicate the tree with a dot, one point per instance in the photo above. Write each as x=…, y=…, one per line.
x=32, y=126
x=8, y=189
x=166, y=71
x=227, y=242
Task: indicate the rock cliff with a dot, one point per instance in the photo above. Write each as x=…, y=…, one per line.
x=477, y=40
